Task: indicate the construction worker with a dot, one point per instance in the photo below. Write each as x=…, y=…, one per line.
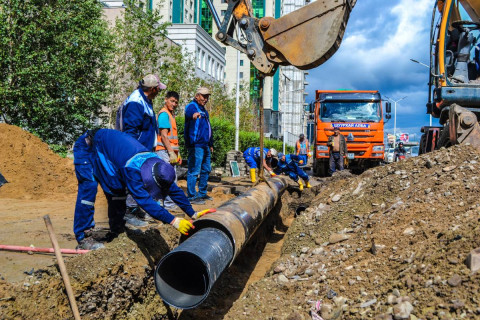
x=399, y=153
x=136, y=118
x=83, y=221
x=167, y=141
x=302, y=149
x=121, y=163
x=338, y=150
x=199, y=143
x=289, y=165
x=252, y=158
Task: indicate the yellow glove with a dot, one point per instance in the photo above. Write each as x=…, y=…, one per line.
x=309, y=154
x=172, y=157
x=202, y=213
x=300, y=162
x=272, y=174
x=179, y=159
x=182, y=225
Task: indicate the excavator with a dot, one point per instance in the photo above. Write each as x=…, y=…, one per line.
x=454, y=80
x=304, y=38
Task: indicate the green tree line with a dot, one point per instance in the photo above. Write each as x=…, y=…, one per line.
x=64, y=68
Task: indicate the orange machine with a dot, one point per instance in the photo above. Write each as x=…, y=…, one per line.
x=359, y=116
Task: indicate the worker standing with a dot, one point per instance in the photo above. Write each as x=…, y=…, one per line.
x=136, y=118
x=167, y=141
x=199, y=143
x=289, y=165
x=302, y=149
x=252, y=158
x=83, y=221
x=121, y=163
x=338, y=150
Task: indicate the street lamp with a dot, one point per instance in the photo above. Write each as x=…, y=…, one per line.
x=423, y=64
x=395, y=119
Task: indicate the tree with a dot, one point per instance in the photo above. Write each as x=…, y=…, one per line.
x=54, y=58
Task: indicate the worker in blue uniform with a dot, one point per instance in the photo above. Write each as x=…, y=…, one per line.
x=121, y=163
x=83, y=221
x=289, y=165
x=252, y=158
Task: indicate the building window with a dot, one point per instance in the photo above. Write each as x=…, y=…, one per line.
x=241, y=87
x=208, y=65
x=223, y=12
x=204, y=62
x=241, y=63
x=241, y=75
x=191, y=4
x=190, y=18
x=198, y=59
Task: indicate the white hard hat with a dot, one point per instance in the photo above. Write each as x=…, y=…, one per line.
x=273, y=152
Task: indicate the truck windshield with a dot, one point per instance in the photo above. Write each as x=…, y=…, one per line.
x=361, y=111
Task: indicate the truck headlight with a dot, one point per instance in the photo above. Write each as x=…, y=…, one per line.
x=378, y=148
x=322, y=148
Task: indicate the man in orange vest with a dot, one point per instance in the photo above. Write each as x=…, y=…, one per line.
x=302, y=149
x=167, y=141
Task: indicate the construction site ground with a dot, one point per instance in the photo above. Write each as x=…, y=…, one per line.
x=390, y=243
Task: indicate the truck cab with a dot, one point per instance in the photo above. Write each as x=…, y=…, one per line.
x=359, y=116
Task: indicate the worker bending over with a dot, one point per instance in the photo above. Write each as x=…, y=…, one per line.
x=252, y=158
x=122, y=163
x=289, y=165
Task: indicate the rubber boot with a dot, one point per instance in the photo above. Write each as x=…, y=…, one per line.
x=300, y=185
x=252, y=175
x=308, y=184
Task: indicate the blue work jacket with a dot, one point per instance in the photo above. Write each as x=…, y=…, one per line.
x=117, y=159
x=290, y=164
x=82, y=152
x=255, y=153
x=198, y=132
x=139, y=120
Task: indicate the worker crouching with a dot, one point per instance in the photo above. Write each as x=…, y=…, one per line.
x=252, y=158
x=121, y=163
x=289, y=165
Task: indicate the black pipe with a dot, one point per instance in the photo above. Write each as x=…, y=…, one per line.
x=185, y=275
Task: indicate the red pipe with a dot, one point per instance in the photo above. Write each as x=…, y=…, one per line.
x=48, y=250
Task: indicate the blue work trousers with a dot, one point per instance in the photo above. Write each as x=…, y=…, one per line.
x=198, y=165
x=85, y=205
x=116, y=211
x=303, y=157
x=336, y=162
x=294, y=172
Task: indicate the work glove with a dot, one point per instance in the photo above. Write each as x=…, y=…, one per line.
x=300, y=162
x=309, y=154
x=173, y=159
x=202, y=213
x=182, y=225
x=272, y=174
x=179, y=159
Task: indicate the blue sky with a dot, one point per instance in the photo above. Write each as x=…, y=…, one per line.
x=381, y=38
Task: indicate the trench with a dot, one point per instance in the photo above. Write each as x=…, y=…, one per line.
x=255, y=260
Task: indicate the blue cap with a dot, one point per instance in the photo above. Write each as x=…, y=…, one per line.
x=157, y=177
x=280, y=155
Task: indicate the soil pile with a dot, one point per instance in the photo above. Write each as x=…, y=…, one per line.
x=388, y=244
x=33, y=171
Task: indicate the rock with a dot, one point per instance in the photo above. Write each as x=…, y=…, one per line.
x=318, y=251
x=473, y=260
x=402, y=310
x=338, y=237
x=224, y=190
x=429, y=164
x=449, y=168
x=282, y=279
x=409, y=231
x=455, y=280
x=368, y=303
x=391, y=299
x=279, y=268
x=336, y=198
x=305, y=249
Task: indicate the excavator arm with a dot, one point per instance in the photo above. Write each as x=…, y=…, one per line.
x=304, y=38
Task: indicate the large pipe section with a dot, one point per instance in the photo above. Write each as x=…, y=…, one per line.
x=185, y=275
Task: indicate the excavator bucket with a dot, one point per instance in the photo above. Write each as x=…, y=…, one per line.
x=309, y=36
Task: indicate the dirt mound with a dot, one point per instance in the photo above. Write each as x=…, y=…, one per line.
x=33, y=171
x=389, y=244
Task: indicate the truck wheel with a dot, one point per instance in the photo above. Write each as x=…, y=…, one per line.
x=444, y=139
x=321, y=169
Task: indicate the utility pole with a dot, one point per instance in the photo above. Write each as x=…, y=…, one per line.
x=395, y=119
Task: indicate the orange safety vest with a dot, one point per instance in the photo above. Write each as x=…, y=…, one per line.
x=172, y=134
x=299, y=148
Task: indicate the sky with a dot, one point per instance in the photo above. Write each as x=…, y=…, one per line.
x=381, y=38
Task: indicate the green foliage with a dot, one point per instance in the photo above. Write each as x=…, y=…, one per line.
x=224, y=140
x=59, y=149
x=54, y=58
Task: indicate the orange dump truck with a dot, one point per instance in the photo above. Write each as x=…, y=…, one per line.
x=359, y=116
